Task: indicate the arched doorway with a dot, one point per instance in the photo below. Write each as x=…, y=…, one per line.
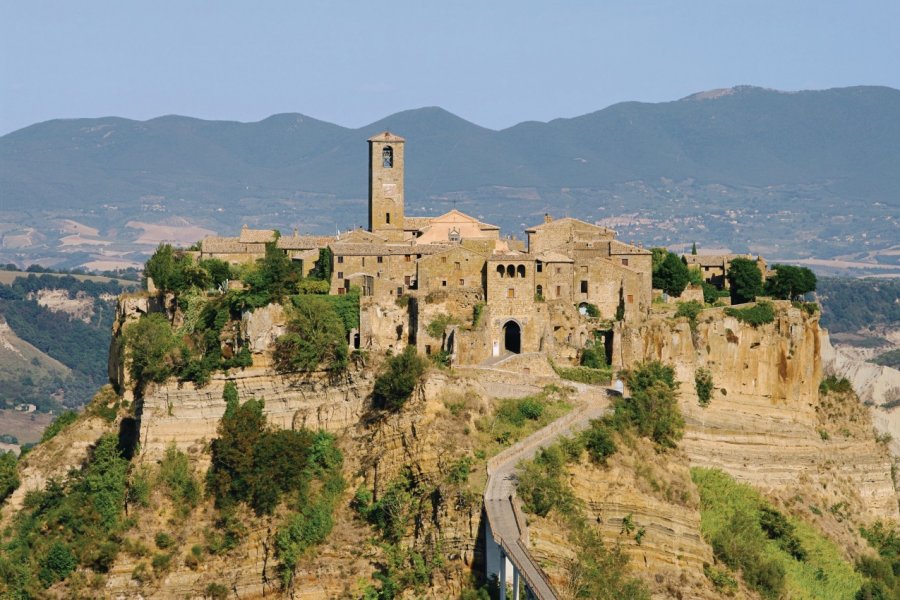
x=512, y=337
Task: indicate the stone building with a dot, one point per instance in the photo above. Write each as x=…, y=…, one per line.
x=542, y=294
x=714, y=267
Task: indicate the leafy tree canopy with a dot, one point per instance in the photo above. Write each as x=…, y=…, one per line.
x=745, y=280
x=672, y=275
x=790, y=283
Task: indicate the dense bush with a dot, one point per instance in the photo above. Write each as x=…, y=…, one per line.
x=593, y=356
x=179, y=481
x=652, y=409
x=151, y=349
x=703, y=383
x=760, y=314
x=583, y=374
x=9, y=476
x=541, y=485
x=598, y=441
x=832, y=383
x=398, y=379
x=315, y=338
x=75, y=522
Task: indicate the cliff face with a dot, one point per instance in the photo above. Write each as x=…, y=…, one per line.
x=764, y=422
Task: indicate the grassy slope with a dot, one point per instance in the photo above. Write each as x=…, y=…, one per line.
x=721, y=497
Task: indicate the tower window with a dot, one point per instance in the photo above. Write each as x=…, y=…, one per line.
x=387, y=157
x=584, y=286
x=387, y=218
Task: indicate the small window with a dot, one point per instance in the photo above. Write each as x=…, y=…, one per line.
x=443, y=283
x=457, y=266
x=625, y=262
x=387, y=218
x=380, y=259
x=510, y=271
x=407, y=257
x=340, y=259
x=340, y=275
x=341, y=291
x=584, y=286
x=428, y=349
x=511, y=293
x=558, y=270
x=500, y=271
x=630, y=299
x=539, y=267
x=443, y=259
x=363, y=261
x=539, y=291
x=521, y=270
x=406, y=280
x=558, y=291
x=462, y=283
x=387, y=158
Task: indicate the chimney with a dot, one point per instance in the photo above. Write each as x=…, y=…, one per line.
x=295, y=232
x=548, y=218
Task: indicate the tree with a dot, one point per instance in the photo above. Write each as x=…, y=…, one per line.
x=150, y=349
x=315, y=336
x=658, y=255
x=672, y=276
x=161, y=267
x=9, y=477
x=790, y=283
x=322, y=268
x=694, y=249
x=745, y=280
x=398, y=379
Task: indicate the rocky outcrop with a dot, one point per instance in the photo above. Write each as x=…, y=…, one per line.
x=763, y=423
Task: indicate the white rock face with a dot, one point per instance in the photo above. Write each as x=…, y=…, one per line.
x=873, y=383
x=262, y=326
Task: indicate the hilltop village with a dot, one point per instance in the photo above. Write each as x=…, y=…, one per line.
x=532, y=293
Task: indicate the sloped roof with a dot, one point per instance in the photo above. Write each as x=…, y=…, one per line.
x=713, y=260
x=568, y=221
x=303, y=242
x=222, y=245
x=553, y=257
x=617, y=247
x=256, y=236
x=386, y=136
x=415, y=223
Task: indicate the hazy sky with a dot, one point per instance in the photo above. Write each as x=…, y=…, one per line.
x=494, y=63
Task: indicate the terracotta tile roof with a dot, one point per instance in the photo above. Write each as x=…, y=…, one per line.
x=713, y=260
x=568, y=221
x=617, y=247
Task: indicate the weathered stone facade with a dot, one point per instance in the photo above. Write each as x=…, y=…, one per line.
x=541, y=297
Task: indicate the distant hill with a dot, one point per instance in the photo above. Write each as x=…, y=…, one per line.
x=822, y=153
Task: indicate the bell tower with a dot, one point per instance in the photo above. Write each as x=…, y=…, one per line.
x=386, y=185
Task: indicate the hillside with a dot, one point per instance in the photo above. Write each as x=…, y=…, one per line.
x=792, y=175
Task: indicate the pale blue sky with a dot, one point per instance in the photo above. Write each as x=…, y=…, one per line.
x=353, y=62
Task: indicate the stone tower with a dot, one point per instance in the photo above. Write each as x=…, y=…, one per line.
x=386, y=185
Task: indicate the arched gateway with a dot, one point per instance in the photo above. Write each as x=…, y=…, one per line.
x=512, y=337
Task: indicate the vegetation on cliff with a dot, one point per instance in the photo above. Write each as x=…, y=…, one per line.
x=759, y=314
x=777, y=555
x=670, y=274
x=398, y=379
x=74, y=522
x=744, y=280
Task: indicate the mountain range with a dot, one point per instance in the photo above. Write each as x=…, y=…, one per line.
x=810, y=174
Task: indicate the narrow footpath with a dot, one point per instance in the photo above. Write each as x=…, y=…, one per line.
x=507, y=524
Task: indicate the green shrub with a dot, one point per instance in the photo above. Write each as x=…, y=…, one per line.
x=181, y=485
x=594, y=357
x=515, y=411
x=62, y=421
x=720, y=579
x=757, y=315
x=671, y=275
x=151, y=350
x=9, y=476
x=703, y=382
x=585, y=374
x=315, y=336
x=689, y=309
x=398, y=379
x=652, y=410
x=777, y=528
x=832, y=383
x=541, y=485
x=458, y=473
x=313, y=286
x=163, y=540
x=217, y=591
x=57, y=565
x=598, y=442
x=438, y=326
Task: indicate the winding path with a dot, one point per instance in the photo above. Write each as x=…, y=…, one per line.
x=508, y=530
